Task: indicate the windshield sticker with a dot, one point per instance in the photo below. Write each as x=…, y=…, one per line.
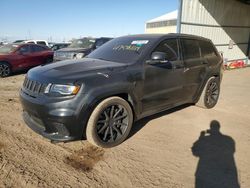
x=126, y=48
x=139, y=42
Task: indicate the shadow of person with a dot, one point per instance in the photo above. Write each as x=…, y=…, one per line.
x=216, y=167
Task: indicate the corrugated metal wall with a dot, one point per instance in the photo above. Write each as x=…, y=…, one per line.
x=219, y=20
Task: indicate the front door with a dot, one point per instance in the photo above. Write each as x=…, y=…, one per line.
x=163, y=84
x=23, y=57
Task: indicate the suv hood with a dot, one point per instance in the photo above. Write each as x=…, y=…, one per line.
x=73, y=69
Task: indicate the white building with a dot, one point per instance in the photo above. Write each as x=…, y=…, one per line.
x=166, y=23
x=225, y=22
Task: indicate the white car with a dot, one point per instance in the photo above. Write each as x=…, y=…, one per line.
x=41, y=42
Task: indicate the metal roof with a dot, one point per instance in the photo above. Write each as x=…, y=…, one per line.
x=158, y=36
x=169, y=16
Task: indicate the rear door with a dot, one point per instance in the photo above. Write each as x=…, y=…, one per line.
x=163, y=84
x=195, y=67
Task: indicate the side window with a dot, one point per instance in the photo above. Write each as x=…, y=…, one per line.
x=41, y=43
x=37, y=48
x=207, y=49
x=24, y=49
x=191, y=49
x=31, y=42
x=170, y=48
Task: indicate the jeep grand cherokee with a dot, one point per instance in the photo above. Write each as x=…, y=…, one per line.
x=126, y=79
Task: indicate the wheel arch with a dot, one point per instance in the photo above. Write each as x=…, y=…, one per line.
x=127, y=96
x=124, y=95
x=5, y=61
x=198, y=95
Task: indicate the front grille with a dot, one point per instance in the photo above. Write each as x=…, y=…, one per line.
x=33, y=86
x=64, y=55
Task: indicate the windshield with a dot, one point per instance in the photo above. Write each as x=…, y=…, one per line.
x=82, y=43
x=124, y=50
x=6, y=49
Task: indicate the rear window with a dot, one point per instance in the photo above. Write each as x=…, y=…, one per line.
x=41, y=43
x=207, y=49
x=191, y=49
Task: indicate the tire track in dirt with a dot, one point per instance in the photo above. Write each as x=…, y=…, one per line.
x=86, y=158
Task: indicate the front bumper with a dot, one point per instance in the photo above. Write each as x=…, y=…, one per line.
x=57, y=132
x=61, y=120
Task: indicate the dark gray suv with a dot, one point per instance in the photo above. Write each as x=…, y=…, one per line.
x=99, y=97
x=79, y=48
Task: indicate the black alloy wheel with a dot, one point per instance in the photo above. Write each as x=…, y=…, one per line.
x=5, y=69
x=212, y=93
x=112, y=123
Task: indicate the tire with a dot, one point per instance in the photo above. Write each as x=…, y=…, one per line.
x=5, y=69
x=49, y=60
x=210, y=94
x=110, y=123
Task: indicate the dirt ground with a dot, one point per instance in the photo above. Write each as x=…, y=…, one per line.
x=158, y=153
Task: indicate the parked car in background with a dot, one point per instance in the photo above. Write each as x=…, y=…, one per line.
x=41, y=42
x=58, y=46
x=18, y=41
x=15, y=57
x=128, y=78
x=79, y=48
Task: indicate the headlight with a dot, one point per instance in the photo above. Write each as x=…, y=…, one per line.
x=62, y=89
x=79, y=55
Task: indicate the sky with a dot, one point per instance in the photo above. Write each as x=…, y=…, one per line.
x=59, y=20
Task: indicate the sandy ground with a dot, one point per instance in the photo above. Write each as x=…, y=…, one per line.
x=157, y=154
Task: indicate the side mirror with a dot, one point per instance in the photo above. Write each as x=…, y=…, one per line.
x=157, y=57
x=22, y=53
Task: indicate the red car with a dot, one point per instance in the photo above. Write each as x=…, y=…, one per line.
x=15, y=57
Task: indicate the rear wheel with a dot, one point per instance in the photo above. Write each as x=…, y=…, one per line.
x=5, y=69
x=210, y=93
x=109, y=123
x=49, y=60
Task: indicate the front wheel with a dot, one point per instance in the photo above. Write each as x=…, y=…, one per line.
x=5, y=69
x=110, y=123
x=49, y=60
x=210, y=93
